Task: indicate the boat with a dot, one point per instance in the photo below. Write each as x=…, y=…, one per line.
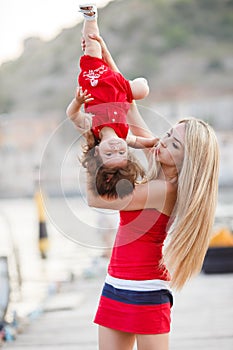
x=219, y=256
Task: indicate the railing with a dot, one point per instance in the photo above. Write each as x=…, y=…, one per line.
x=4, y=286
x=10, y=274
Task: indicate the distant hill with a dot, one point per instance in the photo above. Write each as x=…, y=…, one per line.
x=183, y=47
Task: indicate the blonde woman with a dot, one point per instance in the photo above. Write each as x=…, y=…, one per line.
x=178, y=203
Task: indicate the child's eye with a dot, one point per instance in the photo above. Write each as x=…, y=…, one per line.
x=168, y=134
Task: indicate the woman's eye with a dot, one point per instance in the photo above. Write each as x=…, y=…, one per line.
x=122, y=152
x=168, y=134
x=175, y=145
x=108, y=154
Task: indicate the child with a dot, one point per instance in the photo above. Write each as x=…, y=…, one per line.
x=107, y=95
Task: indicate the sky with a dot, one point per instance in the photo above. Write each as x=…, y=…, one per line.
x=20, y=19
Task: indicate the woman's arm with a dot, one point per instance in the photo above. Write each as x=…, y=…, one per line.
x=134, y=118
x=136, y=122
x=157, y=194
x=139, y=128
x=141, y=142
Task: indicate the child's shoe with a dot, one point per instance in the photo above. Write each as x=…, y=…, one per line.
x=89, y=10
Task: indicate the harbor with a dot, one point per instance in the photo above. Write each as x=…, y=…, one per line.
x=201, y=317
x=54, y=300
x=54, y=248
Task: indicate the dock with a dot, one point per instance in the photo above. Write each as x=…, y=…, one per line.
x=202, y=317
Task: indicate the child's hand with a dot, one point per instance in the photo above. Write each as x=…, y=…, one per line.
x=82, y=96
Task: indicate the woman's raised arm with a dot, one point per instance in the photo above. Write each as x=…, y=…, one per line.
x=134, y=119
x=136, y=122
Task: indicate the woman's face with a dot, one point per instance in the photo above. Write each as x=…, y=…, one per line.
x=170, y=149
x=113, y=152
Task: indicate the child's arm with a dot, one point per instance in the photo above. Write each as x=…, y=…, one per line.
x=81, y=120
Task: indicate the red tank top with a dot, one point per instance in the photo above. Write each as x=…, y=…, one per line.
x=137, y=250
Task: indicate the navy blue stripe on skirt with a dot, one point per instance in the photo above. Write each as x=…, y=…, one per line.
x=156, y=297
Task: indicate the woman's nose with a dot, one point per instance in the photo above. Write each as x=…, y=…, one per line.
x=162, y=143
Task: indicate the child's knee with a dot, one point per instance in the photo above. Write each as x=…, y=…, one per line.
x=140, y=88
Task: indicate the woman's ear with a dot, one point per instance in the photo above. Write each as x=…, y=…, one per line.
x=96, y=153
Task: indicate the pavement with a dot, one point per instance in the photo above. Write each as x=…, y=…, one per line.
x=202, y=316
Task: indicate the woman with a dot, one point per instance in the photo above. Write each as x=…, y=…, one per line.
x=179, y=197
x=186, y=188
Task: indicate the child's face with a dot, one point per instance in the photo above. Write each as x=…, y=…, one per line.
x=113, y=152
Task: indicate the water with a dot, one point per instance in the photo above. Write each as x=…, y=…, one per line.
x=75, y=237
x=68, y=255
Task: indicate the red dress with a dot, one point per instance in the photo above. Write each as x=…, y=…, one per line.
x=111, y=92
x=136, y=296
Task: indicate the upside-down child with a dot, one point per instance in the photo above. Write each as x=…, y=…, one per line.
x=106, y=96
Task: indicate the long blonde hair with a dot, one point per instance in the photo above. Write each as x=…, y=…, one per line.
x=196, y=202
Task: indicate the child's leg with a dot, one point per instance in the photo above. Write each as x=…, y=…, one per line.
x=90, y=26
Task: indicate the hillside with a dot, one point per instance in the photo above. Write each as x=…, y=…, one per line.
x=183, y=47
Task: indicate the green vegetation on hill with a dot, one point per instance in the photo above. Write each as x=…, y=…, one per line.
x=174, y=43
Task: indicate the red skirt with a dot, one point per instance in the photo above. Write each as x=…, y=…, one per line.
x=138, y=312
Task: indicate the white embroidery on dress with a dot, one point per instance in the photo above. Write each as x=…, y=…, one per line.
x=94, y=74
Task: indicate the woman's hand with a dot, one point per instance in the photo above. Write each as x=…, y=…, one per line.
x=142, y=142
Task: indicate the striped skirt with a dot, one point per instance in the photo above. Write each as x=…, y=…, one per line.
x=137, y=309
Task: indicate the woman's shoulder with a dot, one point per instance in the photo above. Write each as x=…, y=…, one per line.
x=163, y=195
x=169, y=187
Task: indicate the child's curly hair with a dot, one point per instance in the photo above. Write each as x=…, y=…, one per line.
x=112, y=182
